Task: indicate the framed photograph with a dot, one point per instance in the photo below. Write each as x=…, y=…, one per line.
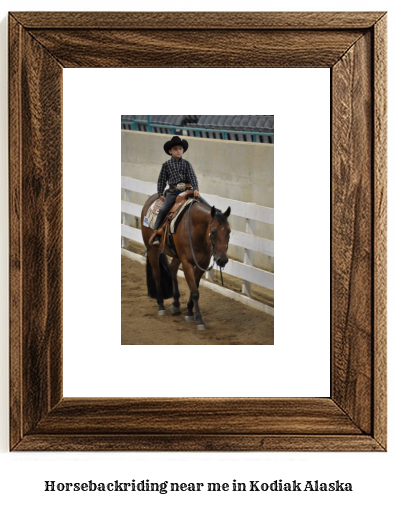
x=353, y=46
x=231, y=156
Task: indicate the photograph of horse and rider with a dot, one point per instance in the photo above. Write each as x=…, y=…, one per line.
x=197, y=227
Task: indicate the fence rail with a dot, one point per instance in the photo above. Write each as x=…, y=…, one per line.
x=242, y=239
x=251, y=243
x=239, y=208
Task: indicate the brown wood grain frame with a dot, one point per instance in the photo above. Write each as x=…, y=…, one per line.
x=353, y=46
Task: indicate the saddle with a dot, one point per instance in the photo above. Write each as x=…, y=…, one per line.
x=171, y=220
x=183, y=197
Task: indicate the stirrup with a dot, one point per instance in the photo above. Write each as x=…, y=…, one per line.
x=158, y=232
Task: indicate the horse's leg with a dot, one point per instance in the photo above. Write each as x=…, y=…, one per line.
x=175, y=307
x=197, y=275
x=194, y=295
x=189, y=317
x=154, y=259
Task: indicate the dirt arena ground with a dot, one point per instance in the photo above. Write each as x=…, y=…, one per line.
x=228, y=322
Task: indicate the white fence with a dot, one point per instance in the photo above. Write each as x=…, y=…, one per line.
x=251, y=212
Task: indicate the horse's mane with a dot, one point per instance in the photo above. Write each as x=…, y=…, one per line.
x=221, y=217
x=218, y=213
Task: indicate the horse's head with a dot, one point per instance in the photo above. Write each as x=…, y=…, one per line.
x=220, y=235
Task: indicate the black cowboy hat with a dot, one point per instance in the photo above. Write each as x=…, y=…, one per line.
x=175, y=141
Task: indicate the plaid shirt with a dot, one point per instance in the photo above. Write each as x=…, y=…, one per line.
x=176, y=171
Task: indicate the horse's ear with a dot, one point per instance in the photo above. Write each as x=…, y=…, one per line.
x=213, y=211
x=227, y=212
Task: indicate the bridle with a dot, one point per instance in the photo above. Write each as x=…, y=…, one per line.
x=211, y=243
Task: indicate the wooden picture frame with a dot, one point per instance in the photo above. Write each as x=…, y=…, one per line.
x=353, y=46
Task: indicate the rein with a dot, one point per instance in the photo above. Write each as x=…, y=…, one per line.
x=191, y=246
x=191, y=243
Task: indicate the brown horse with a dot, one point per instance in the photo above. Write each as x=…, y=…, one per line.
x=202, y=232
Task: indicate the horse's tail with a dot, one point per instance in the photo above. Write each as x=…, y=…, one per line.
x=151, y=284
x=166, y=279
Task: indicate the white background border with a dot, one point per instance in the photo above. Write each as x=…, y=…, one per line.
x=95, y=364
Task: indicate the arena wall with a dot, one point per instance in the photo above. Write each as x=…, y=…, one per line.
x=231, y=169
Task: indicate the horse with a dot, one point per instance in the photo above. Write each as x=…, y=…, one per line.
x=202, y=232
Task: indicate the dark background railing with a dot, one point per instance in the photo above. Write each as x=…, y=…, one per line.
x=232, y=128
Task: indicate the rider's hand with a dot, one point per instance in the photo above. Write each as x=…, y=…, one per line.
x=197, y=194
x=162, y=198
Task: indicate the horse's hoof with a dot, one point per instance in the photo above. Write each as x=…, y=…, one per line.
x=189, y=318
x=200, y=327
x=162, y=312
x=175, y=310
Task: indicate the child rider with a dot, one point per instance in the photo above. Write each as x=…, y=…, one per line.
x=175, y=171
